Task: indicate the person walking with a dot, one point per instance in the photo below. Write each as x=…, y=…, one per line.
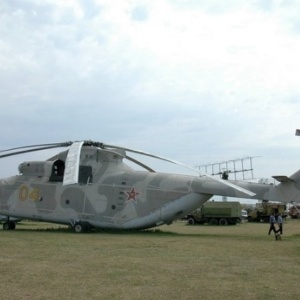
x=272, y=222
x=280, y=224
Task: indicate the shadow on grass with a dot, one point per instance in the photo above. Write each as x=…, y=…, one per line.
x=49, y=228
x=41, y=227
x=155, y=232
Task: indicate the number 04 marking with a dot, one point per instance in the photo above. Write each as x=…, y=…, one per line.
x=24, y=193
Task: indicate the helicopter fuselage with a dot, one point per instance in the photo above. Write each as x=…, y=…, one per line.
x=126, y=200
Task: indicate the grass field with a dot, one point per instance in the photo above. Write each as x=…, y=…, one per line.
x=45, y=261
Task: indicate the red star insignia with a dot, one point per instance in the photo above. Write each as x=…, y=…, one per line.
x=132, y=194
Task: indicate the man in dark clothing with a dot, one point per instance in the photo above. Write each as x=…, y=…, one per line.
x=272, y=221
x=279, y=222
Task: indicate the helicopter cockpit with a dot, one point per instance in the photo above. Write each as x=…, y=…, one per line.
x=54, y=171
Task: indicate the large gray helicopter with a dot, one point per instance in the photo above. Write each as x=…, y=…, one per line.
x=90, y=186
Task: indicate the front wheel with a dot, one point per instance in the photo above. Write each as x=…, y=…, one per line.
x=191, y=221
x=78, y=227
x=82, y=227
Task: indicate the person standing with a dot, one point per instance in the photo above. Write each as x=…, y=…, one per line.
x=272, y=222
x=279, y=222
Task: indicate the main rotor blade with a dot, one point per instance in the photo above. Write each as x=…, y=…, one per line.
x=28, y=150
x=140, y=164
x=152, y=155
x=40, y=145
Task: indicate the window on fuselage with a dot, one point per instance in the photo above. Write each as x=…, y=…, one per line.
x=85, y=174
x=58, y=169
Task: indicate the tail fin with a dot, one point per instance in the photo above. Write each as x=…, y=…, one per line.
x=289, y=188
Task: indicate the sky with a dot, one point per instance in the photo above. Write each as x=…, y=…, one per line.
x=199, y=81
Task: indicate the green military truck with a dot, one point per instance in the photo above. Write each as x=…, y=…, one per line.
x=216, y=213
x=263, y=211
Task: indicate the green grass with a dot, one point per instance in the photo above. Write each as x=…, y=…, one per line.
x=46, y=261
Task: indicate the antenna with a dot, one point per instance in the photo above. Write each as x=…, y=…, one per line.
x=241, y=168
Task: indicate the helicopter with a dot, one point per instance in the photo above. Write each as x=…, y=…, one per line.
x=91, y=185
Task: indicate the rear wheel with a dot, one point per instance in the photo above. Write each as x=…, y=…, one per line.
x=191, y=221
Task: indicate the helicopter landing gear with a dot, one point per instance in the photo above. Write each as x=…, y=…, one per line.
x=80, y=227
x=9, y=225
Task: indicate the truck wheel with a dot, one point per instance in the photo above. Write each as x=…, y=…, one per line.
x=191, y=221
x=223, y=222
x=213, y=222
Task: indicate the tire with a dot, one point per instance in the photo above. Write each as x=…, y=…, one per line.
x=9, y=225
x=213, y=222
x=6, y=226
x=191, y=221
x=78, y=228
x=223, y=222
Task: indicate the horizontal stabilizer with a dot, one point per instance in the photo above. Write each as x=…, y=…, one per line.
x=283, y=178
